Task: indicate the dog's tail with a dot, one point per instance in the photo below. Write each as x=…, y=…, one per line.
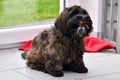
x=23, y=55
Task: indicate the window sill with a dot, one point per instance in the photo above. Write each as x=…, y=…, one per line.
x=20, y=34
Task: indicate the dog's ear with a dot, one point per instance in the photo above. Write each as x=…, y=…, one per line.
x=90, y=27
x=61, y=20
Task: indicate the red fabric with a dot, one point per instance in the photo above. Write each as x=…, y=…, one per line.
x=26, y=46
x=92, y=44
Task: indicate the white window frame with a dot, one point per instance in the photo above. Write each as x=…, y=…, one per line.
x=11, y=37
x=118, y=33
x=20, y=34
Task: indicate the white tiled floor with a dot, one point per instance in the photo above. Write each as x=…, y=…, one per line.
x=102, y=66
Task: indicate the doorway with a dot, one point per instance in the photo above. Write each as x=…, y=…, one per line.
x=111, y=22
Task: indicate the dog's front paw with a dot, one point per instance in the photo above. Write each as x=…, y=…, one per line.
x=57, y=73
x=82, y=70
x=23, y=55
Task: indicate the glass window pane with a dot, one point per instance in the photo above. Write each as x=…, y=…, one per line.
x=17, y=12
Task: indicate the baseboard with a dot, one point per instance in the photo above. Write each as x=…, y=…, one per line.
x=13, y=45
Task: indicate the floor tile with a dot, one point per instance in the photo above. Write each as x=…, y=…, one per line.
x=5, y=51
x=102, y=65
x=96, y=65
x=11, y=61
x=105, y=77
x=98, y=54
x=12, y=75
x=38, y=75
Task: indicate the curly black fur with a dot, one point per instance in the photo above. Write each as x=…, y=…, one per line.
x=61, y=47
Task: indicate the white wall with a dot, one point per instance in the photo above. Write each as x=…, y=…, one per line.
x=72, y=2
x=94, y=9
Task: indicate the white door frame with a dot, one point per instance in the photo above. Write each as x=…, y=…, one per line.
x=62, y=5
x=118, y=33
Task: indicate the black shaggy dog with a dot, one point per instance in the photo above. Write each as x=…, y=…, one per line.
x=61, y=47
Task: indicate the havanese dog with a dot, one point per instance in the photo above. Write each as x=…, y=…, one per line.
x=62, y=46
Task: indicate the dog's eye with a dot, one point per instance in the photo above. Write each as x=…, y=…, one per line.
x=72, y=14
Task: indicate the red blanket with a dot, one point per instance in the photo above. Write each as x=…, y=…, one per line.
x=92, y=44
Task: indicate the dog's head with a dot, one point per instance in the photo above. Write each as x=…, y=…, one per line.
x=74, y=21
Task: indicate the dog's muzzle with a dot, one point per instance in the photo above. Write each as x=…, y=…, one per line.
x=81, y=30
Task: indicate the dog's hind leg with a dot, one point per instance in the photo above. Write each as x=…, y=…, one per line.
x=53, y=66
x=34, y=61
x=35, y=65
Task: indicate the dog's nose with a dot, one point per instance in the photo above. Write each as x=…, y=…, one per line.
x=81, y=22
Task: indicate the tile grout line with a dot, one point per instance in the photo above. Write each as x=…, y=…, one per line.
x=97, y=75
x=11, y=50
x=7, y=51
x=11, y=69
x=22, y=74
